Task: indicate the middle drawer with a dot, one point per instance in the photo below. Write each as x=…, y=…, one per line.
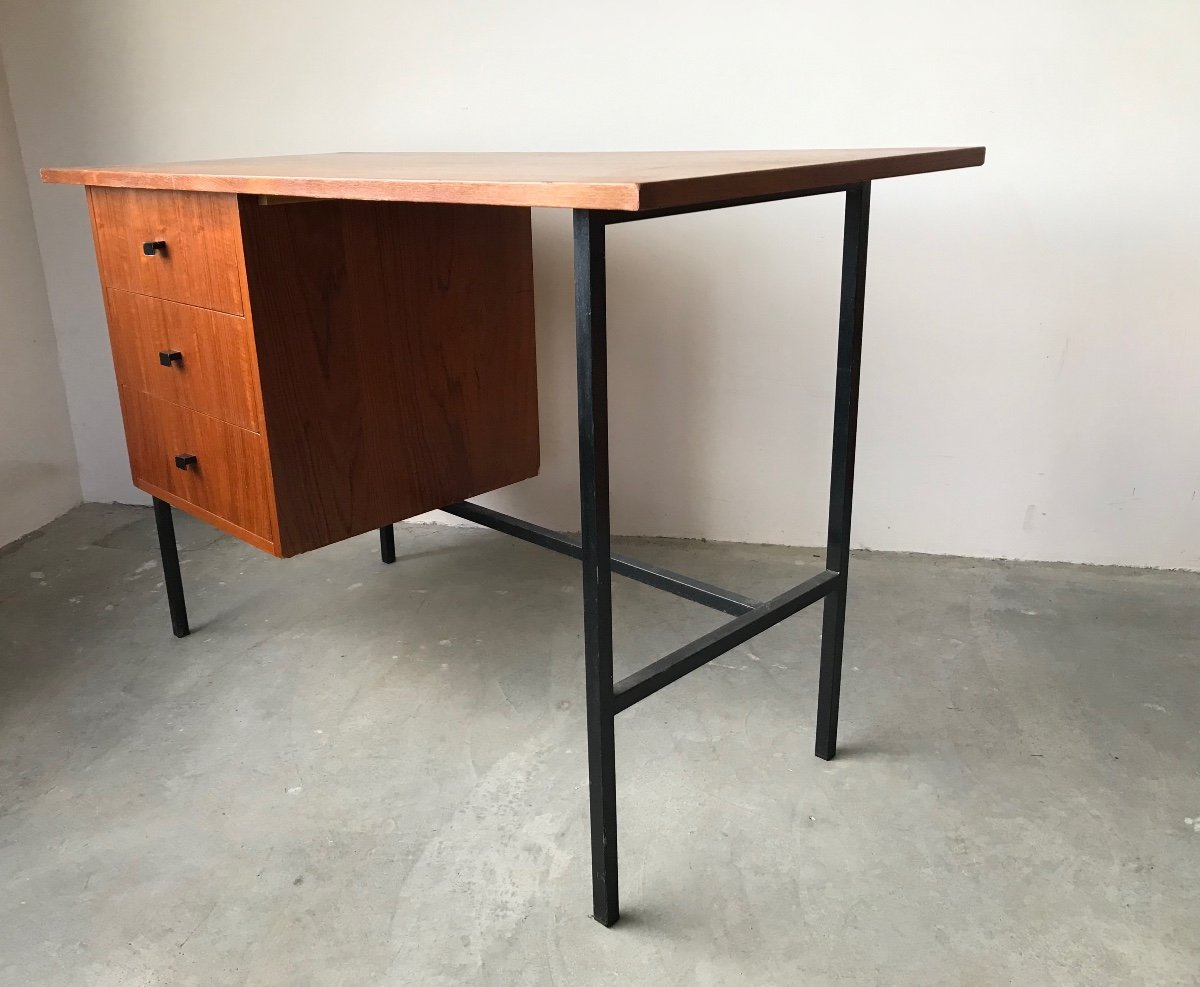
x=191, y=356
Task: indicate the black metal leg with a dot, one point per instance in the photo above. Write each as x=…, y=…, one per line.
x=606, y=698
x=387, y=544
x=592, y=369
x=841, y=483
x=165, y=524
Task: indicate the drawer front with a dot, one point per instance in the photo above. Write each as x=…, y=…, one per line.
x=229, y=476
x=191, y=356
x=183, y=246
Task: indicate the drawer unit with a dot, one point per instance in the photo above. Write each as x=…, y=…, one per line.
x=177, y=245
x=332, y=366
x=200, y=359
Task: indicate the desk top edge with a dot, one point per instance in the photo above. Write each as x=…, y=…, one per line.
x=624, y=181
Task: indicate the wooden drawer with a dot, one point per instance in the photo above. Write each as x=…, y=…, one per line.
x=209, y=363
x=200, y=262
x=230, y=478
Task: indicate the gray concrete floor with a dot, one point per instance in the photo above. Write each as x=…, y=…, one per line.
x=353, y=774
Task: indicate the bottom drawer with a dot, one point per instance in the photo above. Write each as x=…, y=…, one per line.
x=219, y=468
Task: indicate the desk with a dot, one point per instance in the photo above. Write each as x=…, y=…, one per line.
x=315, y=346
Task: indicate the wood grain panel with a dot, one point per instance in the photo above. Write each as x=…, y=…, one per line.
x=396, y=352
x=224, y=524
x=231, y=477
x=633, y=180
x=137, y=333
x=216, y=374
x=200, y=263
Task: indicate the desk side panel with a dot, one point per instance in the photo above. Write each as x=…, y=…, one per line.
x=395, y=346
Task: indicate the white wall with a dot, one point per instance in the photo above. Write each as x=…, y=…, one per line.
x=1032, y=357
x=39, y=478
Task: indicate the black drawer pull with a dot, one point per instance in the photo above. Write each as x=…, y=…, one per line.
x=167, y=357
x=184, y=460
x=152, y=247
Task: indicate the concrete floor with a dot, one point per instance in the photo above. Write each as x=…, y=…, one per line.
x=353, y=774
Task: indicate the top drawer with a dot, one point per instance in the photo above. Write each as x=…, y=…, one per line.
x=199, y=264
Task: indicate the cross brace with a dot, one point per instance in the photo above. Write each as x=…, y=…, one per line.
x=752, y=617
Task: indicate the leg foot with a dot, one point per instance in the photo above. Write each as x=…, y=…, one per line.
x=602, y=789
x=165, y=524
x=833, y=627
x=387, y=544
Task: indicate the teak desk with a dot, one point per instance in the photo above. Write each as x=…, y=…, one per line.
x=312, y=347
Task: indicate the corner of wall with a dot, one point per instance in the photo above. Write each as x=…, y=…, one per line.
x=39, y=469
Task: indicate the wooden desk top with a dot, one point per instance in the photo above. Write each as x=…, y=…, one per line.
x=633, y=180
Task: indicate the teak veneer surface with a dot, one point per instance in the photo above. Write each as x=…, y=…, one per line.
x=395, y=346
x=198, y=265
x=631, y=181
x=230, y=479
x=215, y=375
x=384, y=365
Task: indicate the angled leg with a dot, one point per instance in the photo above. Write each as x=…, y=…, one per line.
x=592, y=369
x=841, y=483
x=387, y=543
x=165, y=524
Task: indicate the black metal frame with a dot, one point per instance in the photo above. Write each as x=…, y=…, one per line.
x=606, y=698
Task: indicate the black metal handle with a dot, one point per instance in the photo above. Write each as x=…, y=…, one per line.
x=151, y=247
x=184, y=460
x=167, y=357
